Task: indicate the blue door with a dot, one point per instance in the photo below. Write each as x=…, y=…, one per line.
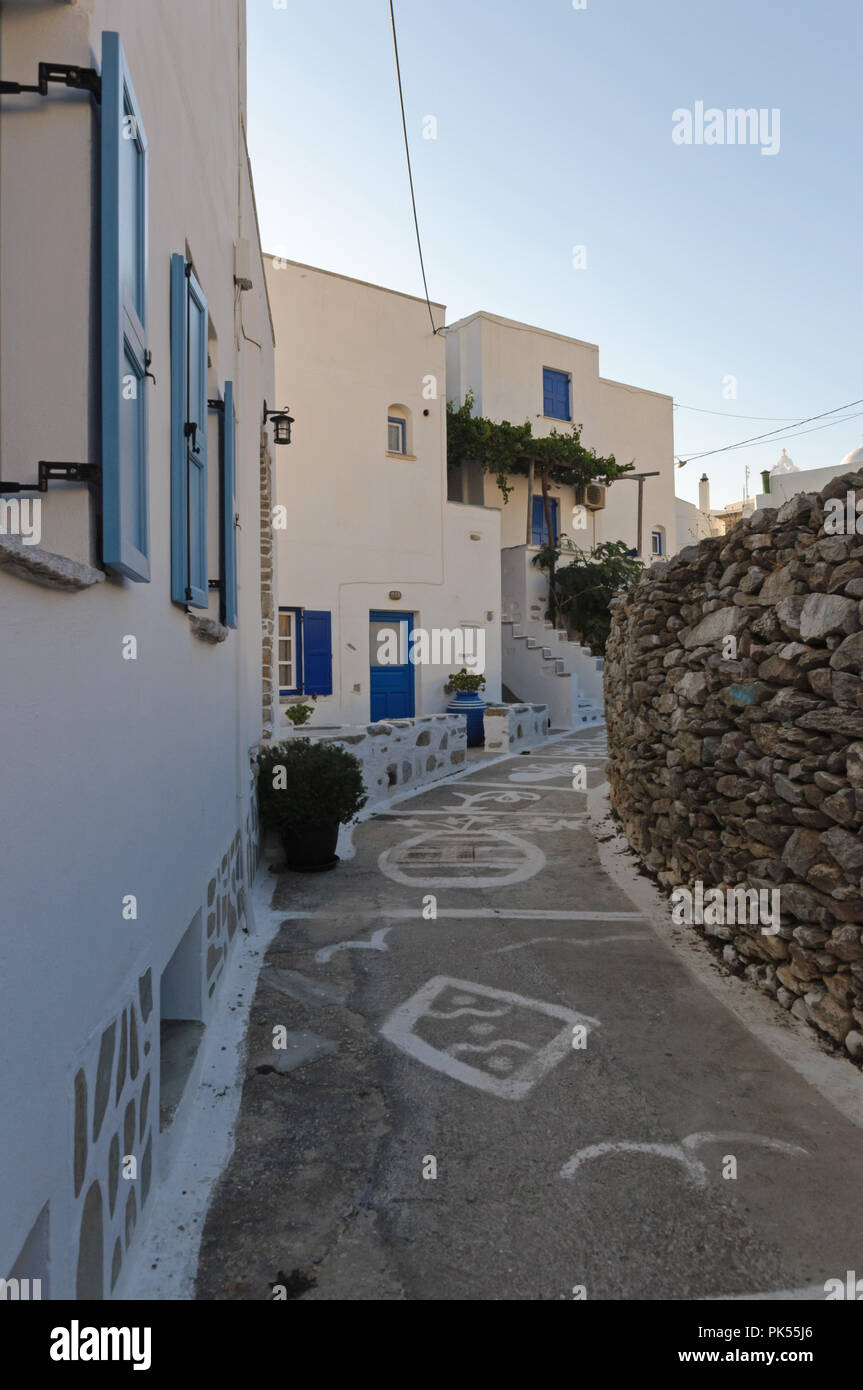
x=392, y=674
x=538, y=527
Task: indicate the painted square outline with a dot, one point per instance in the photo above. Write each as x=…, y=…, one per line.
x=398, y=1029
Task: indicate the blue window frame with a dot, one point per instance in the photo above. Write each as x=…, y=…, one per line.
x=397, y=432
x=538, y=527
x=290, y=654
x=189, y=324
x=555, y=394
x=656, y=543
x=123, y=315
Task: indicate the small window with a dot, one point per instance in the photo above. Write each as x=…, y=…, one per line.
x=290, y=659
x=555, y=394
x=396, y=435
x=657, y=541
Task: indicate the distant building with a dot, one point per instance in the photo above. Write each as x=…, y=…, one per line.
x=782, y=482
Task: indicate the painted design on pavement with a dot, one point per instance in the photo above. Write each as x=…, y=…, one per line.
x=682, y=1153
x=530, y=1037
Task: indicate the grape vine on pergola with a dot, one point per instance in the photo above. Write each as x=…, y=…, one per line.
x=501, y=448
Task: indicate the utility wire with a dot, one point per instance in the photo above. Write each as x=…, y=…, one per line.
x=410, y=171
x=729, y=415
x=770, y=434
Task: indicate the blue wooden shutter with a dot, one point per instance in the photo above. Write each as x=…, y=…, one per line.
x=123, y=253
x=188, y=437
x=229, y=505
x=317, y=653
x=555, y=394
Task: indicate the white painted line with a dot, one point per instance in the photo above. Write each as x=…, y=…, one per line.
x=567, y=941
x=526, y=914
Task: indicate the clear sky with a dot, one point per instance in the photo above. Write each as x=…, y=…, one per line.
x=554, y=130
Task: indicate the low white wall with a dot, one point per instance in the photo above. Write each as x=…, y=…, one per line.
x=399, y=754
x=509, y=728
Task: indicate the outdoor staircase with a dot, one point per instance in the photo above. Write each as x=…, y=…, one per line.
x=564, y=674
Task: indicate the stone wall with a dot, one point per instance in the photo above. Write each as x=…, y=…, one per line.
x=734, y=705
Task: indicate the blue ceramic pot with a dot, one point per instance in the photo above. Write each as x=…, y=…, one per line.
x=469, y=703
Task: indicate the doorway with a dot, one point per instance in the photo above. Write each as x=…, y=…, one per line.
x=391, y=682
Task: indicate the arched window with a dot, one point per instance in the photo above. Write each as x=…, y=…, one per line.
x=399, y=439
x=657, y=540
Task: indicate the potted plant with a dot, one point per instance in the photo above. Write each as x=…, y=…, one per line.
x=465, y=686
x=298, y=714
x=306, y=791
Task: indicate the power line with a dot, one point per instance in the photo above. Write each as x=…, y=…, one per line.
x=410, y=171
x=770, y=434
x=729, y=415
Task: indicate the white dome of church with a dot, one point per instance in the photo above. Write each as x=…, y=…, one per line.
x=784, y=465
x=854, y=459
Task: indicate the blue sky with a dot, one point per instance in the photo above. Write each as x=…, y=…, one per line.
x=704, y=262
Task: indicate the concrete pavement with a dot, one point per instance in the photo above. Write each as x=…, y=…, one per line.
x=496, y=1081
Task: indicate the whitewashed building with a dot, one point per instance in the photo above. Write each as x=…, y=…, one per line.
x=137, y=352
x=367, y=539
x=520, y=373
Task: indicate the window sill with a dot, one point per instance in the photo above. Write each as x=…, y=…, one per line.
x=38, y=566
x=560, y=419
x=410, y=458
x=207, y=629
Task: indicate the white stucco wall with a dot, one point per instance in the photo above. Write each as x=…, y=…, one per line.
x=693, y=525
x=124, y=777
x=502, y=362
x=362, y=522
x=785, y=485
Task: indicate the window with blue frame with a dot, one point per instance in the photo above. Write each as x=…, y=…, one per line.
x=538, y=524
x=290, y=651
x=396, y=435
x=555, y=394
x=657, y=541
x=305, y=657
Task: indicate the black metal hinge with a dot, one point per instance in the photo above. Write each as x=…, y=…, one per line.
x=81, y=79
x=60, y=472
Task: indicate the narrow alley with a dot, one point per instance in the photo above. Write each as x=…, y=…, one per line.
x=496, y=1081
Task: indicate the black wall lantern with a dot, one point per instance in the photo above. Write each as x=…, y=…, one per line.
x=282, y=422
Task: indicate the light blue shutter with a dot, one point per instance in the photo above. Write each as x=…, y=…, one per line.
x=123, y=253
x=188, y=437
x=317, y=653
x=229, y=505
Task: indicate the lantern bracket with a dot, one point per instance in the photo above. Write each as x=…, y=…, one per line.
x=81, y=79
x=56, y=472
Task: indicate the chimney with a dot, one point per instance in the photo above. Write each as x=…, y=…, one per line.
x=704, y=493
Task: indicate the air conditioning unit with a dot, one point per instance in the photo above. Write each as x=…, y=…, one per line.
x=591, y=495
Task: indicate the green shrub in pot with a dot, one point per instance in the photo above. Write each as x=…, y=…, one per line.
x=306, y=790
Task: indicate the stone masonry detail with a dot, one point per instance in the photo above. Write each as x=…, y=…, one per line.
x=741, y=761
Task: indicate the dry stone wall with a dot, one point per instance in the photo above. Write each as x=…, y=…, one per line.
x=734, y=705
